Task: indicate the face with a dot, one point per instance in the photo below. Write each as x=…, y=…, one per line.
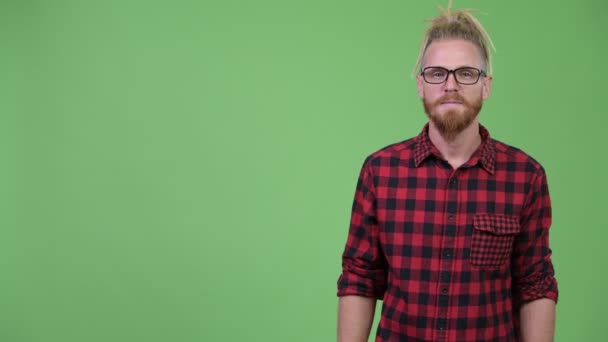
x=451, y=106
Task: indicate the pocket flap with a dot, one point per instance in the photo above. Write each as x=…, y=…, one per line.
x=496, y=224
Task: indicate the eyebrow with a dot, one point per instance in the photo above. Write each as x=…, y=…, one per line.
x=458, y=67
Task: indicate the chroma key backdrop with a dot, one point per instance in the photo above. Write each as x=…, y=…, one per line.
x=184, y=170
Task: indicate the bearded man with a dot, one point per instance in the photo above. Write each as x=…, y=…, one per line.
x=450, y=229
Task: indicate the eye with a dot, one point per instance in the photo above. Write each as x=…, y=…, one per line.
x=435, y=73
x=467, y=74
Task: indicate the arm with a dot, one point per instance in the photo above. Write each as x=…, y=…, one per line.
x=534, y=286
x=355, y=317
x=364, y=267
x=537, y=321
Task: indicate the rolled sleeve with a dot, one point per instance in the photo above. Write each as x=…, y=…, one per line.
x=533, y=273
x=363, y=263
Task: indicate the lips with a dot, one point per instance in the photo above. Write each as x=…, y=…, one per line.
x=451, y=103
x=451, y=100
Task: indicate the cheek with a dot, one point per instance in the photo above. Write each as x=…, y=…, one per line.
x=474, y=95
x=430, y=93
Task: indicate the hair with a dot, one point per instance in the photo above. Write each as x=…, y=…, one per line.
x=460, y=24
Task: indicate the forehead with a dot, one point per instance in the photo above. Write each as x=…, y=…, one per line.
x=452, y=53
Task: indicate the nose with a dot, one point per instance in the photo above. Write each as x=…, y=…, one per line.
x=450, y=83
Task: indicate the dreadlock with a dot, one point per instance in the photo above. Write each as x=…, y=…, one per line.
x=460, y=24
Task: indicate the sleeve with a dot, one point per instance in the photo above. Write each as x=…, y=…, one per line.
x=364, y=266
x=533, y=274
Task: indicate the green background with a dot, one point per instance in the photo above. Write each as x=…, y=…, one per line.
x=184, y=170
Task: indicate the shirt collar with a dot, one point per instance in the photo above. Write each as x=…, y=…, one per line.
x=485, y=154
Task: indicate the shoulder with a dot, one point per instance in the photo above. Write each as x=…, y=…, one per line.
x=512, y=158
x=392, y=155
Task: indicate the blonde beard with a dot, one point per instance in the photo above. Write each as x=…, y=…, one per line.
x=452, y=122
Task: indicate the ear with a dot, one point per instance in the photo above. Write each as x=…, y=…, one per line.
x=419, y=85
x=486, y=87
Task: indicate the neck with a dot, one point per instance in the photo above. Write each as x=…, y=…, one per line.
x=460, y=149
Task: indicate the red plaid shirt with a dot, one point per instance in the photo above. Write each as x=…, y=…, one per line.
x=452, y=253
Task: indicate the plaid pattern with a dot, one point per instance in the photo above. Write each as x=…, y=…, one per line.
x=452, y=253
x=493, y=237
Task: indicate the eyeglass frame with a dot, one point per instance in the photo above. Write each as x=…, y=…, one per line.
x=453, y=71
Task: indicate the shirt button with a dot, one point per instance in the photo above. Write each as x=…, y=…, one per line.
x=447, y=253
x=453, y=182
x=444, y=290
x=451, y=217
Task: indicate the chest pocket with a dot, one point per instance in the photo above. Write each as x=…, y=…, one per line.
x=492, y=241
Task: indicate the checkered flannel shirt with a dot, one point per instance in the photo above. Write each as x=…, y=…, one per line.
x=452, y=253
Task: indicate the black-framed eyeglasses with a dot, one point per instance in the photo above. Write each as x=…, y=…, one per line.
x=438, y=75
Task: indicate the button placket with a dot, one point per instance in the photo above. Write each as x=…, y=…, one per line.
x=447, y=260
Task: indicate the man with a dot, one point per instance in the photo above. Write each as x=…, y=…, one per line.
x=450, y=228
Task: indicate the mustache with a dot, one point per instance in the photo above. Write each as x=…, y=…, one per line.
x=451, y=97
